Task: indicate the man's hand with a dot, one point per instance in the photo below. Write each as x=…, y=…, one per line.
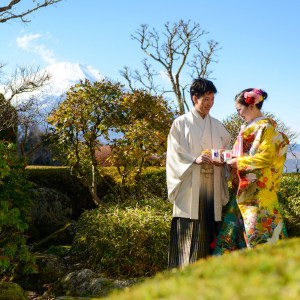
x=218, y=164
x=203, y=159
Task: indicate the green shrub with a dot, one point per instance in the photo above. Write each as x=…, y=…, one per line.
x=289, y=199
x=154, y=183
x=124, y=240
x=265, y=273
x=15, y=209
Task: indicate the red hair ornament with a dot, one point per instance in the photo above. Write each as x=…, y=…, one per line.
x=253, y=97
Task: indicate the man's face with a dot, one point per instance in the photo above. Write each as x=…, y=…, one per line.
x=204, y=103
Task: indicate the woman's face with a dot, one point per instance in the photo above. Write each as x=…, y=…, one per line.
x=244, y=111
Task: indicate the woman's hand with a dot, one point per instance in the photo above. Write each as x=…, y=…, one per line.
x=233, y=163
x=203, y=159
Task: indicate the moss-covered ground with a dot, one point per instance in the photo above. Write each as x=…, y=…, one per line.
x=267, y=272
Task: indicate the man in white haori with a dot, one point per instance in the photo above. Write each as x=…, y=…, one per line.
x=197, y=186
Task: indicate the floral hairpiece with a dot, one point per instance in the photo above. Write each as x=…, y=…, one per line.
x=253, y=97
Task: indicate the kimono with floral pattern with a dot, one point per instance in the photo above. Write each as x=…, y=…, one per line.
x=257, y=180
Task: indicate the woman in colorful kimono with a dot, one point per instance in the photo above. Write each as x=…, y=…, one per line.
x=253, y=215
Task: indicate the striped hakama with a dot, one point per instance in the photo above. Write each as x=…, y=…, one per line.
x=190, y=239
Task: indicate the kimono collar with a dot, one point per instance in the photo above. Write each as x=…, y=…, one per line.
x=197, y=115
x=262, y=121
x=255, y=120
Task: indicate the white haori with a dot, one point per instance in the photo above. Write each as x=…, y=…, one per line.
x=190, y=134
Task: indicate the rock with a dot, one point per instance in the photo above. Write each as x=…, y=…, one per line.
x=50, y=268
x=86, y=283
x=122, y=283
x=63, y=236
x=51, y=211
x=11, y=291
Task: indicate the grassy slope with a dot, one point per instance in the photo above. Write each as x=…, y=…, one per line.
x=267, y=272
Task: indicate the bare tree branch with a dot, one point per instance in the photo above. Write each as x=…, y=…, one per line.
x=19, y=112
x=171, y=49
x=146, y=79
x=127, y=74
x=16, y=110
x=25, y=80
x=202, y=59
x=8, y=12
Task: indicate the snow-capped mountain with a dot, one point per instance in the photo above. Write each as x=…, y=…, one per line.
x=66, y=74
x=63, y=76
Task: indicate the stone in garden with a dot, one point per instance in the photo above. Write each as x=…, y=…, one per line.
x=51, y=211
x=86, y=283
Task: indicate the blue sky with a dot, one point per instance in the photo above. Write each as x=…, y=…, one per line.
x=260, y=43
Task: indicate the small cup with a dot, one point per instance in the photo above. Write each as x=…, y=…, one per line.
x=216, y=155
x=227, y=155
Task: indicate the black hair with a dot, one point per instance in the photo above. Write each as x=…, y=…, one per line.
x=239, y=98
x=200, y=87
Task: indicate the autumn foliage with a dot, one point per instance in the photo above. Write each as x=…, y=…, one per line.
x=86, y=115
x=90, y=113
x=145, y=124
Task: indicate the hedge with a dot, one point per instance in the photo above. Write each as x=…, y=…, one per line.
x=289, y=199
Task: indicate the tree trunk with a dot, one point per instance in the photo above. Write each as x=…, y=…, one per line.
x=94, y=180
x=180, y=104
x=138, y=179
x=122, y=189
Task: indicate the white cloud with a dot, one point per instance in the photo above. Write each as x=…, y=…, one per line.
x=25, y=41
x=164, y=76
x=28, y=43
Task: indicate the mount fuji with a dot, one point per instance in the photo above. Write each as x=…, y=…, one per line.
x=63, y=76
x=66, y=74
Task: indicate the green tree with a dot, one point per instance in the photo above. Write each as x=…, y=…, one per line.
x=86, y=115
x=7, y=128
x=233, y=125
x=15, y=210
x=144, y=124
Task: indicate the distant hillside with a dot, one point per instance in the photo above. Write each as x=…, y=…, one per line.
x=296, y=151
x=291, y=162
x=290, y=166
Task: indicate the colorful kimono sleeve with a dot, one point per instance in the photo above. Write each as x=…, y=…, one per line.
x=262, y=152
